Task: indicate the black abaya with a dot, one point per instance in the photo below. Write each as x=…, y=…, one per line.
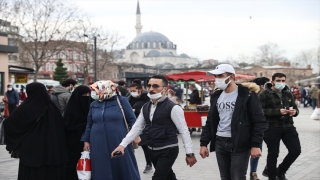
x=35, y=130
x=75, y=119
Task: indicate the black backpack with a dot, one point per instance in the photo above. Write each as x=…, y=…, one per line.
x=55, y=100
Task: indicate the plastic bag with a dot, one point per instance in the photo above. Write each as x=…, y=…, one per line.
x=316, y=114
x=84, y=166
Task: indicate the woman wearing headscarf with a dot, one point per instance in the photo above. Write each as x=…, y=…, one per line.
x=75, y=119
x=138, y=97
x=104, y=131
x=34, y=133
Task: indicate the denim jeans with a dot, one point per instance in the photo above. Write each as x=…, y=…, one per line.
x=232, y=165
x=290, y=138
x=254, y=162
x=163, y=161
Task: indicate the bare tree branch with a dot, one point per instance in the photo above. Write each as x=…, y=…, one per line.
x=269, y=54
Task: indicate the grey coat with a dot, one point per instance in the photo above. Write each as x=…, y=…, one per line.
x=63, y=95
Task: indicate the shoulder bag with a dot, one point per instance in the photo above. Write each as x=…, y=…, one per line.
x=137, y=139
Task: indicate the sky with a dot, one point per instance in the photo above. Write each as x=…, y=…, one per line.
x=215, y=29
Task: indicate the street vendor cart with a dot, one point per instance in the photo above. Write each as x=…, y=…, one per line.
x=196, y=115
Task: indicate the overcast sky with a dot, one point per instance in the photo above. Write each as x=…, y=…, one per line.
x=212, y=29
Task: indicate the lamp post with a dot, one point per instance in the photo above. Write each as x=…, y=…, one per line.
x=95, y=57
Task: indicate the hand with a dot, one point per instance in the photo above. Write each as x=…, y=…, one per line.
x=204, y=152
x=17, y=105
x=283, y=111
x=255, y=152
x=119, y=148
x=133, y=110
x=191, y=161
x=292, y=112
x=86, y=146
x=137, y=140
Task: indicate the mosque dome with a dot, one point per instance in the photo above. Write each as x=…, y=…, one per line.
x=151, y=37
x=153, y=53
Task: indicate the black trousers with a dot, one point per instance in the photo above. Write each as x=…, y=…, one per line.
x=11, y=108
x=290, y=138
x=163, y=161
x=147, y=155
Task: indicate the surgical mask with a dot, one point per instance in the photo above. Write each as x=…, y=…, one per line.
x=155, y=96
x=9, y=89
x=134, y=94
x=94, y=95
x=279, y=86
x=221, y=83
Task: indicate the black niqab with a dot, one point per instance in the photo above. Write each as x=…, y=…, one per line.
x=35, y=129
x=78, y=108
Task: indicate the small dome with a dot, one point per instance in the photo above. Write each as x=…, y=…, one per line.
x=151, y=37
x=184, y=55
x=166, y=54
x=153, y=53
x=180, y=66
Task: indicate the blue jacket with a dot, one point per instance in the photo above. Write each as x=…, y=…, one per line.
x=13, y=97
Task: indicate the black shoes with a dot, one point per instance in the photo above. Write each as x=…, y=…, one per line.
x=265, y=172
x=281, y=175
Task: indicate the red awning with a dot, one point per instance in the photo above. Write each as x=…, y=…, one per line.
x=200, y=76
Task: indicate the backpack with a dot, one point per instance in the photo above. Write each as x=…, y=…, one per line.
x=55, y=100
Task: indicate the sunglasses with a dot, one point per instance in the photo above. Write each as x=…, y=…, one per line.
x=154, y=86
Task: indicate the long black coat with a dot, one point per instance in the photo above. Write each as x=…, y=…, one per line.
x=248, y=122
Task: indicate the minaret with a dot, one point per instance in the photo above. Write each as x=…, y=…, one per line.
x=138, y=19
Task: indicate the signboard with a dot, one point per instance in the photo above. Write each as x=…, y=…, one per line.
x=21, y=78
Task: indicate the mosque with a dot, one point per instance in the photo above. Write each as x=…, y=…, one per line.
x=154, y=49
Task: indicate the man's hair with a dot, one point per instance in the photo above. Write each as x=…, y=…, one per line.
x=162, y=77
x=192, y=85
x=67, y=82
x=121, y=83
x=136, y=83
x=261, y=80
x=279, y=75
x=9, y=85
x=49, y=87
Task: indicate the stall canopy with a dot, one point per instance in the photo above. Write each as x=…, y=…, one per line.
x=201, y=76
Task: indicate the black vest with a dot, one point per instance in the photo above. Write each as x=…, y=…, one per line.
x=161, y=130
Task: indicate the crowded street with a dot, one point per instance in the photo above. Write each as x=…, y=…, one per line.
x=306, y=167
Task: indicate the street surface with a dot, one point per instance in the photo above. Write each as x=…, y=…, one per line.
x=306, y=167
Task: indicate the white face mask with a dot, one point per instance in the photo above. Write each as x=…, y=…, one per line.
x=9, y=89
x=155, y=96
x=220, y=83
x=94, y=95
x=134, y=94
x=279, y=86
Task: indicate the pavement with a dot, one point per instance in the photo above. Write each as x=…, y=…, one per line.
x=306, y=167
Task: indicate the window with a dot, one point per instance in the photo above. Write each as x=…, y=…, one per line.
x=154, y=45
x=261, y=74
x=160, y=45
x=53, y=67
x=2, y=83
x=48, y=67
x=148, y=45
x=41, y=68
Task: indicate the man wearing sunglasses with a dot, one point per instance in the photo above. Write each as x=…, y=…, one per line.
x=235, y=125
x=163, y=118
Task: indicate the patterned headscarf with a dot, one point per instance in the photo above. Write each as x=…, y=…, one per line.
x=106, y=89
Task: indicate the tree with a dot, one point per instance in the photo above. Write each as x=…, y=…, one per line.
x=44, y=27
x=106, y=42
x=269, y=54
x=60, y=73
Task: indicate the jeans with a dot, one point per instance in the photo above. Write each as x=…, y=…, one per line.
x=290, y=138
x=254, y=162
x=147, y=156
x=163, y=161
x=232, y=165
x=314, y=103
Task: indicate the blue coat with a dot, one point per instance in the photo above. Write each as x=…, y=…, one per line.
x=13, y=97
x=105, y=131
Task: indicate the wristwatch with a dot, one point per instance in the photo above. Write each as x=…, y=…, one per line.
x=190, y=155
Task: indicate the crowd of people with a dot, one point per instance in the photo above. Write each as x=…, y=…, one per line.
x=52, y=126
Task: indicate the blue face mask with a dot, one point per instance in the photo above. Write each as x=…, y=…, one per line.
x=279, y=86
